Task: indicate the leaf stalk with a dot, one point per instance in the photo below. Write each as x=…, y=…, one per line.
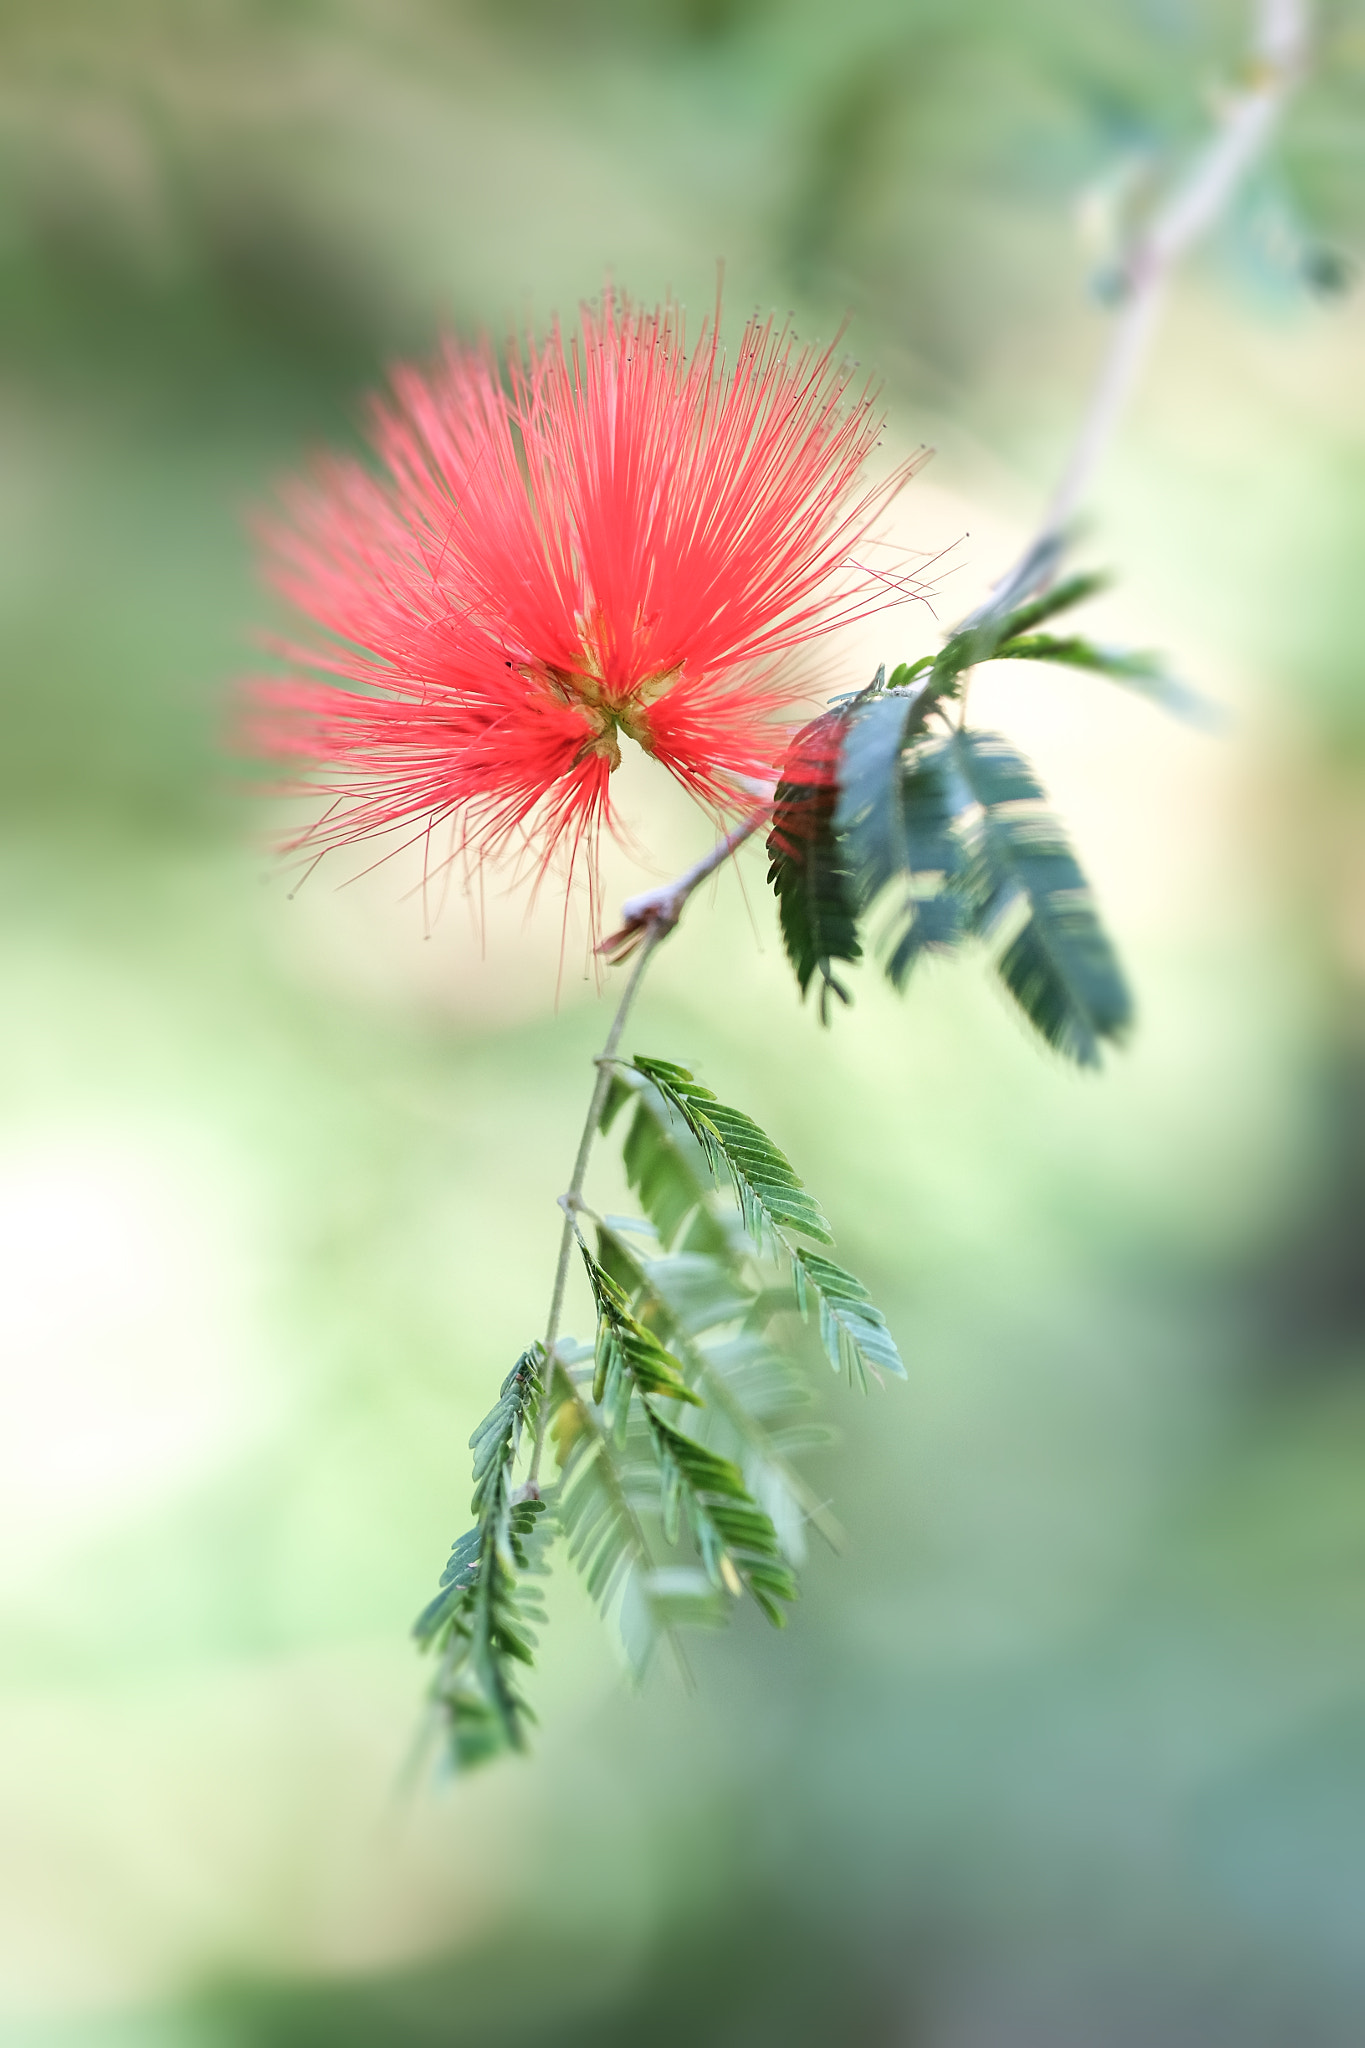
x=647, y=921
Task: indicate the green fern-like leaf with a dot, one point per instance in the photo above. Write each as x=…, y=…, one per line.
x=607, y=1492
x=628, y=1355
x=869, y=813
x=735, y=1539
x=758, y=1405
x=979, y=638
x=716, y=1321
x=807, y=865
x=929, y=813
x=679, y=1295
x=1145, y=674
x=1061, y=597
x=771, y=1198
x=480, y=1620
x=595, y=1512
x=664, y=1165
x=852, y=1328
x=706, y=1313
x=772, y=1201
x=1057, y=960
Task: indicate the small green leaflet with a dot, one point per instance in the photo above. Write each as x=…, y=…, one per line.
x=1058, y=962
x=1061, y=597
x=479, y=1619
x=735, y=1539
x=852, y=1329
x=868, y=812
x=770, y=1195
x=719, y=1322
x=672, y=1178
x=807, y=872
x=628, y=1355
x=603, y=1491
x=1146, y=674
x=678, y=1296
x=981, y=637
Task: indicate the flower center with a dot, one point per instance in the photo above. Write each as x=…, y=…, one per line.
x=610, y=715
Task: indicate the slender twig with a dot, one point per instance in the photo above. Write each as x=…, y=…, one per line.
x=662, y=907
x=647, y=920
x=571, y=1200
x=1278, y=56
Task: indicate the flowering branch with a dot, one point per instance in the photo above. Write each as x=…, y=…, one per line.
x=626, y=542
x=1279, y=48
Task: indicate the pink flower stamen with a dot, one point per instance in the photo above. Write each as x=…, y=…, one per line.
x=618, y=541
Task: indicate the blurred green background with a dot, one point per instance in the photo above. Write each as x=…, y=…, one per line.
x=1070, y=1748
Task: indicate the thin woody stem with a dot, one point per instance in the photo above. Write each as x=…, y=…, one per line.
x=664, y=906
x=648, y=920
x=571, y=1200
x=1279, y=48
x=1278, y=55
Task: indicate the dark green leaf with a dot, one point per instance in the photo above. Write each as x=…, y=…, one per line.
x=735, y=1539
x=898, y=812
x=1144, y=673
x=933, y=923
x=664, y=1166
x=1058, y=963
x=807, y=865
x=868, y=814
x=1072, y=590
x=479, y=1619
x=929, y=814
x=771, y=1197
x=852, y=1328
x=979, y=638
x=626, y=1346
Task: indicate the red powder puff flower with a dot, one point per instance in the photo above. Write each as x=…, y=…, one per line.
x=620, y=539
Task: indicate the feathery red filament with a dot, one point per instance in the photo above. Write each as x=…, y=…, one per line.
x=619, y=539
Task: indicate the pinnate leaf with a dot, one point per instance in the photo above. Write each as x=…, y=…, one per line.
x=771, y=1197
x=627, y=1353
x=1057, y=960
x=1144, y=673
x=807, y=868
x=852, y=1328
x=479, y=1621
